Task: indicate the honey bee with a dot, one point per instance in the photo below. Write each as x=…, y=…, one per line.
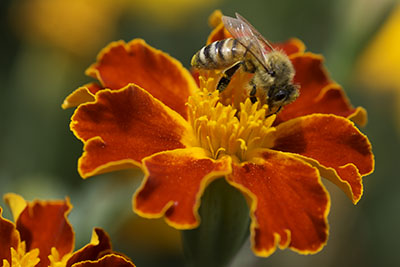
x=272, y=82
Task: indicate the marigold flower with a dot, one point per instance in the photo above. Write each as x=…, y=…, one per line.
x=42, y=236
x=149, y=112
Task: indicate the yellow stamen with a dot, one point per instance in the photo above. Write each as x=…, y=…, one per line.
x=21, y=258
x=228, y=124
x=56, y=261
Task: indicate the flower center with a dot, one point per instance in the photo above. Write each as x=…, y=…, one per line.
x=19, y=257
x=228, y=123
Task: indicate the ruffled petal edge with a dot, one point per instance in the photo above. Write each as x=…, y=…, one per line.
x=214, y=169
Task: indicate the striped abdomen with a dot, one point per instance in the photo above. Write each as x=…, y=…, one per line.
x=219, y=54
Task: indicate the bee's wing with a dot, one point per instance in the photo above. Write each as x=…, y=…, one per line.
x=255, y=32
x=242, y=31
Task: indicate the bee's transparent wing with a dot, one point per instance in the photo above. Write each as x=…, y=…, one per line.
x=242, y=31
x=255, y=32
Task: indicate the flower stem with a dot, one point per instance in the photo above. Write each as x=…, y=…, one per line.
x=223, y=229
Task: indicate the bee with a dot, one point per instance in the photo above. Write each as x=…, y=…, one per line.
x=272, y=82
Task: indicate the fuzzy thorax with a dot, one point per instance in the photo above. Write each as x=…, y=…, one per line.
x=225, y=127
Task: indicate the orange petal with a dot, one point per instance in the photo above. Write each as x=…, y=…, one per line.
x=43, y=225
x=123, y=126
x=289, y=205
x=9, y=238
x=331, y=143
x=174, y=183
x=99, y=245
x=81, y=95
x=318, y=94
x=136, y=62
x=108, y=260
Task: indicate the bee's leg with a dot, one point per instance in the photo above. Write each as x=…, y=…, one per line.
x=272, y=113
x=249, y=67
x=253, y=92
x=227, y=76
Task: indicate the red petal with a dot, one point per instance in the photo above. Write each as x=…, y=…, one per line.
x=341, y=152
x=136, y=62
x=291, y=46
x=44, y=225
x=174, y=183
x=124, y=126
x=289, y=205
x=108, y=260
x=318, y=94
x=9, y=238
x=99, y=246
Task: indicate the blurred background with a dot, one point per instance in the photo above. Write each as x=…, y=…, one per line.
x=46, y=45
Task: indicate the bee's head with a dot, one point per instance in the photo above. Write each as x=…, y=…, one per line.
x=279, y=96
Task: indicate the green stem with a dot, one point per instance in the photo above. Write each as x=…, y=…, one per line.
x=223, y=229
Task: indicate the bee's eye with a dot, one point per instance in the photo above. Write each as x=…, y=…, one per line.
x=280, y=95
x=272, y=73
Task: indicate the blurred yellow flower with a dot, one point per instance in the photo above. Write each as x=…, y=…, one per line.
x=83, y=26
x=379, y=65
x=78, y=26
